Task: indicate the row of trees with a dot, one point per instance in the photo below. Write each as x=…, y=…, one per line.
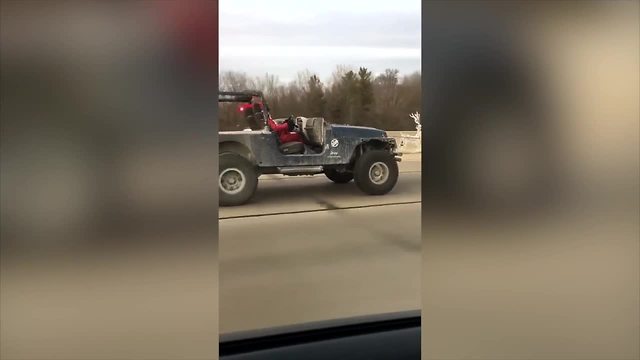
x=354, y=97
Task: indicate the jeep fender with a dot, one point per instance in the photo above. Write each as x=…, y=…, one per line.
x=237, y=148
x=372, y=144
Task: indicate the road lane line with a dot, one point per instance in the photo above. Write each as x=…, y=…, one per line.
x=318, y=210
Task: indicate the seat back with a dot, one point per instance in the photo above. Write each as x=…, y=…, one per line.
x=314, y=130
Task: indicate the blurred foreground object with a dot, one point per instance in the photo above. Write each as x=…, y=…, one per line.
x=488, y=142
x=534, y=119
x=108, y=135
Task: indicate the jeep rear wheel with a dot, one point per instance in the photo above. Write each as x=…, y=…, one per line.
x=237, y=180
x=376, y=172
x=338, y=177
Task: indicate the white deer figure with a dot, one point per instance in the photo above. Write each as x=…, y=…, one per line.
x=416, y=118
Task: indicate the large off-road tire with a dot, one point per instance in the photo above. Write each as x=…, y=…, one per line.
x=237, y=180
x=338, y=177
x=376, y=172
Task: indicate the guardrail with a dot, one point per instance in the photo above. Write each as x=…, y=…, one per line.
x=408, y=142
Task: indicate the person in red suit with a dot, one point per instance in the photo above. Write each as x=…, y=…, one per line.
x=282, y=130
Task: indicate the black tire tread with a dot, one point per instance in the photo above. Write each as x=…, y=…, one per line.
x=338, y=177
x=227, y=160
x=361, y=172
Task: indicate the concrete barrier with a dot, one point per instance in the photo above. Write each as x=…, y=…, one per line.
x=408, y=143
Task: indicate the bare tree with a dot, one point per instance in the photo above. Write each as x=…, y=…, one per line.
x=234, y=81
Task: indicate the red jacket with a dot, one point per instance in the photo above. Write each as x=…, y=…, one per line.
x=282, y=130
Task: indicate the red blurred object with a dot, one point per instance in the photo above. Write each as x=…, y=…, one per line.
x=194, y=26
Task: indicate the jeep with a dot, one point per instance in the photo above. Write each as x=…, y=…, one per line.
x=341, y=152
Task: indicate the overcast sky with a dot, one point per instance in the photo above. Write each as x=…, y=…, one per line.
x=282, y=37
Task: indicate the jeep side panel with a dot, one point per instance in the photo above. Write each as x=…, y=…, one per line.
x=263, y=146
x=334, y=152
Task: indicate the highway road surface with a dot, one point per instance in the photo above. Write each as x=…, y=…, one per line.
x=306, y=249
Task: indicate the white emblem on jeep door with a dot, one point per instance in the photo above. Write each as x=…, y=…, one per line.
x=334, y=143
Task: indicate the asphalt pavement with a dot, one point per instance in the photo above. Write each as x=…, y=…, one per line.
x=306, y=249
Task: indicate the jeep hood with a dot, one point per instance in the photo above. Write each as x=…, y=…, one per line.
x=356, y=131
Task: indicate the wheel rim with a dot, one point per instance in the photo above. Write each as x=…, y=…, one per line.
x=231, y=181
x=379, y=173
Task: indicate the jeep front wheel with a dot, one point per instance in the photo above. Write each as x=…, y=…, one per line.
x=376, y=172
x=237, y=180
x=338, y=177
